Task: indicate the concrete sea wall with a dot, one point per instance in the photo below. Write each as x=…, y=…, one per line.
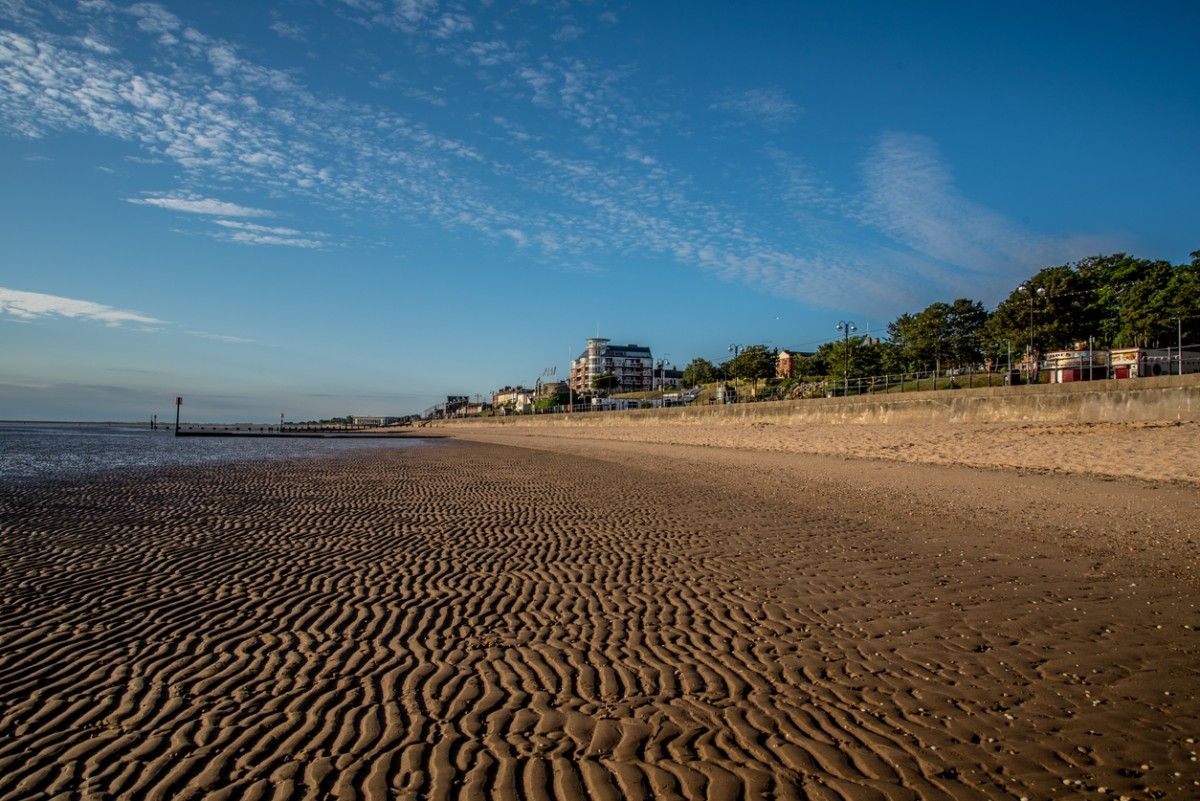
x=1126, y=400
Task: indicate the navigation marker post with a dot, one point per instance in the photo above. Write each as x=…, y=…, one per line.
x=178, y=403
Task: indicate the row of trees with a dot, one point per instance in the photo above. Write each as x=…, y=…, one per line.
x=1117, y=300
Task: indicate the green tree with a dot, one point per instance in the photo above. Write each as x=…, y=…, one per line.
x=890, y=358
x=1181, y=299
x=810, y=366
x=865, y=358
x=753, y=362
x=903, y=336
x=699, y=371
x=965, y=322
x=1118, y=299
x=1107, y=278
x=1061, y=314
x=1136, y=302
x=929, y=338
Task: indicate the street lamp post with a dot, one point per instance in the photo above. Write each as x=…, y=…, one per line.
x=735, y=350
x=846, y=327
x=1179, y=344
x=1040, y=293
x=662, y=380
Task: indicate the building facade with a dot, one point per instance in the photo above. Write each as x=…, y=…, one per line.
x=1066, y=366
x=550, y=388
x=632, y=367
x=668, y=378
x=516, y=396
x=786, y=362
x=1142, y=362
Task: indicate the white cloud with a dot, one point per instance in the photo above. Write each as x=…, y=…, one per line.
x=410, y=14
x=224, y=60
x=261, y=229
x=227, y=120
x=220, y=337
x=453, y=24
x=200, y=205
x=92, y=43
x=30, y=306
x=490, y=53
x=910, y=195
x=567, y=33
x=289, y=30
x=250, y=234
x=34, y=305
x=540, y=82
x=512, y=129
x=767, y=106
x=634, y=154
x=252, y=238
x=153, y=18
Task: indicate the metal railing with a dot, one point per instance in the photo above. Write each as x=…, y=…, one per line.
x=1047, y=372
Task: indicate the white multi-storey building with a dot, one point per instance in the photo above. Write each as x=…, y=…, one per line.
x=631, y=365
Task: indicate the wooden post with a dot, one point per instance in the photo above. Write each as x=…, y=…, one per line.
x=178, y=403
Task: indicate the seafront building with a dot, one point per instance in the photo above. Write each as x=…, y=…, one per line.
x=787, y=361
x=1085, y=364
x=632, y=367
x=550, y=388
x=1142, y=362
x=668, y=378
x=518, y=397
x=1065, y=366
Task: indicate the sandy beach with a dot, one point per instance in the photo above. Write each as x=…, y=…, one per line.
x=1152, y=450
x=557, y=616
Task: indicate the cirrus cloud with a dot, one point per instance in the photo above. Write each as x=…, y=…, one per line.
x=30, y=306
x=34, y=305
x=200, y=205
x=769, y=106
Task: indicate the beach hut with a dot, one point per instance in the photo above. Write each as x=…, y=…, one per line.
x=1143, y=362
x=1078, y=364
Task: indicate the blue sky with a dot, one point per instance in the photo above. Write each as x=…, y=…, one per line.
x=363, y=205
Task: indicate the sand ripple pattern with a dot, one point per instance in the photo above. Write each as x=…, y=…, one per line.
x=474, y=622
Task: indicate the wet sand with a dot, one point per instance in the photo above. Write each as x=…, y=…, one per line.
x=589, y=619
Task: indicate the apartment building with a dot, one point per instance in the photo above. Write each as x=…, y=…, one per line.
x=631, y=365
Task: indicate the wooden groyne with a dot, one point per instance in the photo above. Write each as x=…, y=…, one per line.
x=270, y=433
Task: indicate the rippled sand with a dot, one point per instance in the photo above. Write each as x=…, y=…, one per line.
x=603, y=620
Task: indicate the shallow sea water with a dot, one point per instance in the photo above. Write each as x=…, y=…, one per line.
x=64, y=451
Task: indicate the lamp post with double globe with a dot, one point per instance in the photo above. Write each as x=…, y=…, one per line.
x=735, y=349
x=1040, y=292
x=847, y=327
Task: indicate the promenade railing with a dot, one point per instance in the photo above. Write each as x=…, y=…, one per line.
x=1081, y=368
